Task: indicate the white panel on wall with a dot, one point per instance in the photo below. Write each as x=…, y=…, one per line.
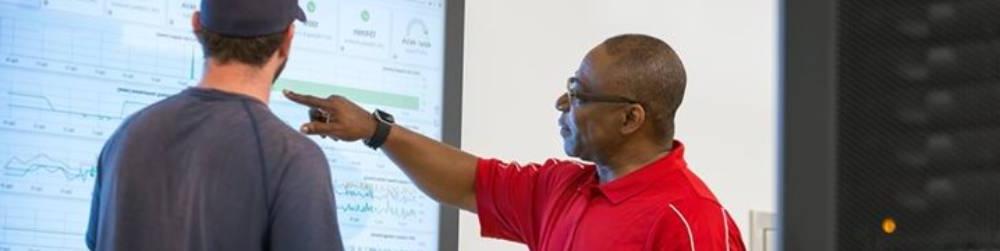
x=518, y=54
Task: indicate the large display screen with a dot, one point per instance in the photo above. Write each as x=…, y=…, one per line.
x=72, y=70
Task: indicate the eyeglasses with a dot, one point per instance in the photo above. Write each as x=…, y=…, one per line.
x=575, y=95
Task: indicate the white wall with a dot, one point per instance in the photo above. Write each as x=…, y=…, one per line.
x=518, y=54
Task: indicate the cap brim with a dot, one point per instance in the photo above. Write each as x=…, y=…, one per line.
x=300, y=14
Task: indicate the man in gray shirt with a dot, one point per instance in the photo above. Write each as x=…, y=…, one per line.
x=211, y=168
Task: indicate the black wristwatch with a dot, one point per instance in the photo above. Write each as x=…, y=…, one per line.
x=383, y=124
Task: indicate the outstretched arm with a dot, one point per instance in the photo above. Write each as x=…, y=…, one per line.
x=443, y=172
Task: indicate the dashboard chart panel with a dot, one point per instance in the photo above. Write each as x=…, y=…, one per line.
x=73, y=70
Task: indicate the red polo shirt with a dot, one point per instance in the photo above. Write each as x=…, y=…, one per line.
x=560, y=205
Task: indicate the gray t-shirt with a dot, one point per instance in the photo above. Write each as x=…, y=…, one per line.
x=210, y=170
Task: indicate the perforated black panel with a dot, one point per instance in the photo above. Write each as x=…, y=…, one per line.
x=918, y=124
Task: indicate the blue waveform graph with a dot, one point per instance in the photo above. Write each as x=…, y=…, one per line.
x=374, y=191
x=42, y=164
x=377, y=203
x=383, y=209
x=54, y=174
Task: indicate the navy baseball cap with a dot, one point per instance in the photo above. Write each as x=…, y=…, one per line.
x=249, y=18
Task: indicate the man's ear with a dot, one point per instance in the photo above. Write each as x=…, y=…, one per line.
x=286, y=46
x=632, y=119
x=196, y=21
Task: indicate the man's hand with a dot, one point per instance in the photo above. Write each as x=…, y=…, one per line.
x=335, y=117
x=424, y=160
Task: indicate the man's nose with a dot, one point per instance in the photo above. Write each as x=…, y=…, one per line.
x=562, y=103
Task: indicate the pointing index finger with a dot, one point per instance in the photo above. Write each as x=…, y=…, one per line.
x=307, y=100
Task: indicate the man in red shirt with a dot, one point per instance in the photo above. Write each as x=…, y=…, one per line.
x=618, y=113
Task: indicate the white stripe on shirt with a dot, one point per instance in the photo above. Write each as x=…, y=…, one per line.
x=725, y=227
x=688, y=227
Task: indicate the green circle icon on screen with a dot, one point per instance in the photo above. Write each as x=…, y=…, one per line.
x=365, y=16
x=311, y=6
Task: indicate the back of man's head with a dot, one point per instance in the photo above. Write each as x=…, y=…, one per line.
x=254, y=51
x=245, y=31
x=651, y=72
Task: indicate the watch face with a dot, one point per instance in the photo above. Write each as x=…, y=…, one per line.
x=385, y=116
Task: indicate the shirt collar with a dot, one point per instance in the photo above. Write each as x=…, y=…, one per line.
x=639, y=180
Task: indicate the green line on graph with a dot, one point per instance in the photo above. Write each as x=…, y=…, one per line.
x=358, y=95
x=192, y=63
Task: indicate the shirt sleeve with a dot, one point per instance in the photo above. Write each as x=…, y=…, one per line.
x=510, y=198
x=303, y=214
x=695, y=224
